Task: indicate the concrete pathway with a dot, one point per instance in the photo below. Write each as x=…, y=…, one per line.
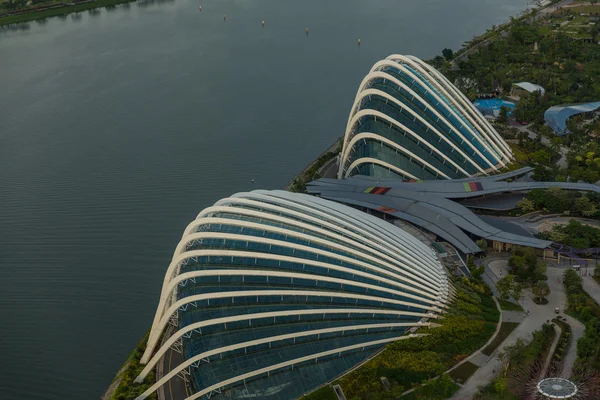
x=558, y=331
x=590, y=285
x=577, y=331
x=539, y=315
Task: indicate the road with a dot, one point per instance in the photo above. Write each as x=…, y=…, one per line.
x=175, y=388
x=495, y=268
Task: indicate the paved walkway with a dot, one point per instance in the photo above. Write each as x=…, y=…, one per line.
x=539, y=315
x=590, y=285
x=552, y=348
x=577, y=331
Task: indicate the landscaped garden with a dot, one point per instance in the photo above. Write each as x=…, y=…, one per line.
x=417, y=362
x=585, y=309
x=519, y=361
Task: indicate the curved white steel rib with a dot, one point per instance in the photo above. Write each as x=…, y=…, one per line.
x=496, y=138
x=432, y=148
x=280, y=293
x=273, y=314
x=377, y=92
x=189, y=362
x=449, y=99
x=367, y=260
x=371, y=160
x=372, y=248
x=394, y=145
x=368, y=229
x=352, y=248
x=392, y=271
x=456, y=100
x=298, y=360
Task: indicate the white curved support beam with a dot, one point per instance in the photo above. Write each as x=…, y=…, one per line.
x=296, y=361
x=374, y=248
x=399, y=125
x=238, y=346
x=251, y=317
x=392, y=144
x=371, y=228
x=456, y=98
x=441, y=135
x=496, y=138
x=355, y=249
x=370, y=160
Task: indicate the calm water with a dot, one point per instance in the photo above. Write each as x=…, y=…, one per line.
x=117, y=129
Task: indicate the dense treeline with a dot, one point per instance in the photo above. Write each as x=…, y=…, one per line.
x=574, y=234
x=584, y=308
x=558, y=201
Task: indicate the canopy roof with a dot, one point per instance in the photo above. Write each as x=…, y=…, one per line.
x=530, y=87
x=556, y=116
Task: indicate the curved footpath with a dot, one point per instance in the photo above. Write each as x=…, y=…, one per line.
x=496, y=267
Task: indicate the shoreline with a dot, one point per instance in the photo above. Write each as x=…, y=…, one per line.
x=312, y=170
x=57, y=10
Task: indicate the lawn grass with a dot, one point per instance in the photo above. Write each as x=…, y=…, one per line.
x=505, y=330
x=586, y=9
x=519, y=153
x=464, y=372
x=38, y=15
x=509, y=306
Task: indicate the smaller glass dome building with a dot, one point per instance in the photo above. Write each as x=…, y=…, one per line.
x=409, y=122
x=271, y=294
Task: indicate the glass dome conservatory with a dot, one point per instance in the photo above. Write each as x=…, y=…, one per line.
x=271, y=294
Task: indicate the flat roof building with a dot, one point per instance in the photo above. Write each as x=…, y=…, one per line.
x=271, y=294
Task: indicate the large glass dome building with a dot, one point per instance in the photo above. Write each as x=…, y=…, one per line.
x=409, y=122
x=271, y=294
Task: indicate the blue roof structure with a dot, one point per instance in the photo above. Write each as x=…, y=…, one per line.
x=556, y=116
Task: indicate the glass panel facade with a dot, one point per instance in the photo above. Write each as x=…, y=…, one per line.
x=313, y=282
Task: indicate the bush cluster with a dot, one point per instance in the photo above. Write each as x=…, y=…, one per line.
x=584, y=308
x=469, y=323
x=128, y=389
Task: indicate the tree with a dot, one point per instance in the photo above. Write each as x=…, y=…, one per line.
x=512, y=353
x=503, y=115
x=476, y=271
x=517, y=291
x=541, y=290
x=505, y=286
x=526, y=205
x=539, y=273
x=586, y=207
x=448, y=54
x=483, y=245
